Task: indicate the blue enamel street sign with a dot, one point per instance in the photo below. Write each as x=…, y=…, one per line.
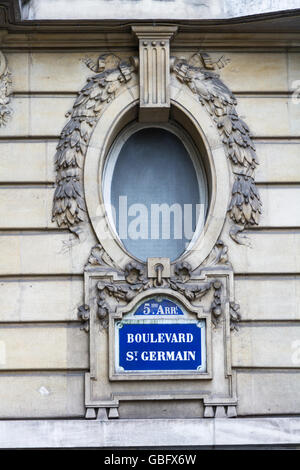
x=158, y=308
x=160, y=336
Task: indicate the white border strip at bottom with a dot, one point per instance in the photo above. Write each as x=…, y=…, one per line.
x=148, y=433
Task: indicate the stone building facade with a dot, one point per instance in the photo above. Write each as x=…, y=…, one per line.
x=71, y=84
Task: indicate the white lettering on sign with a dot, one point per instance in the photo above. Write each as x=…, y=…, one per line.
x=160, y=338
x=168, y=355
x=129, y=356
x=162, y=310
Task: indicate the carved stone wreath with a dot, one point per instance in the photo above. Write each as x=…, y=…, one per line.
x=112, y=73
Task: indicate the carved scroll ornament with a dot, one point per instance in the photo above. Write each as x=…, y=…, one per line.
x=133, y=280
x=5, y=90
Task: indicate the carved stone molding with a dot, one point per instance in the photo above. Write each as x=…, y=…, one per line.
x=133, y=280
x=220, y=102
x=5, y=90
x=10, y=11
x=218, y=255
x=98, y=258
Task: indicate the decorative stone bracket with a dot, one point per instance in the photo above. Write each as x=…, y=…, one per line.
x=220, y=408
x=154, y=71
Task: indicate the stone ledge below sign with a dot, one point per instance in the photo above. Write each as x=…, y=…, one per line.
x=149, y=433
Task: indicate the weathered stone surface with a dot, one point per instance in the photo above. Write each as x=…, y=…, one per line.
x=61, y=72
x=18, y=63
x=268, y=297
x=268, y=116
x=249, y=71
x=38, y=116
x=293, y=61
x=261, y=82
x=31, y=161
x=43, y=347
x=278, y=162
x=271, y=251
x=41, y=395
x=267, y=345
x=27, y=161
x=161, y=409
x=30, y=207
x=43, y=253
x=40, y=299
x=45, y=116
x=50, y=72
x=148, y=433
x=19, y=125
x=268, y=392
x=279, y=204
x=26, y=207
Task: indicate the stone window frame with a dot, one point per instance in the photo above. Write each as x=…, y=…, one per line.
x=113, y=155
x=185, y=110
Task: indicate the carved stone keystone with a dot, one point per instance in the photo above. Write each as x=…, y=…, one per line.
x=154, y=70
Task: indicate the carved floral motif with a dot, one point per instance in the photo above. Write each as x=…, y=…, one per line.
x=5, y=90
x=135, y=281
x=218, y=255
x=99, y=257
x=84, y=316
x=235, y=315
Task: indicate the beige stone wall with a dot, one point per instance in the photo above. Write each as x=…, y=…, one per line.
x=43, y=351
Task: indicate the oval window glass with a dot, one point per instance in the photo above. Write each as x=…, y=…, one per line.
x=156, y=194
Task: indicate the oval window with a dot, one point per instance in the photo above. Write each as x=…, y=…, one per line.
x=155, y=188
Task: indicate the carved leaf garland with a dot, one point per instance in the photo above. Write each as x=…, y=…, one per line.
x=69, y=205
x=245, y=206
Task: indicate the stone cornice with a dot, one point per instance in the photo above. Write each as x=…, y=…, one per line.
x=95, y=40
x=268, y=31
